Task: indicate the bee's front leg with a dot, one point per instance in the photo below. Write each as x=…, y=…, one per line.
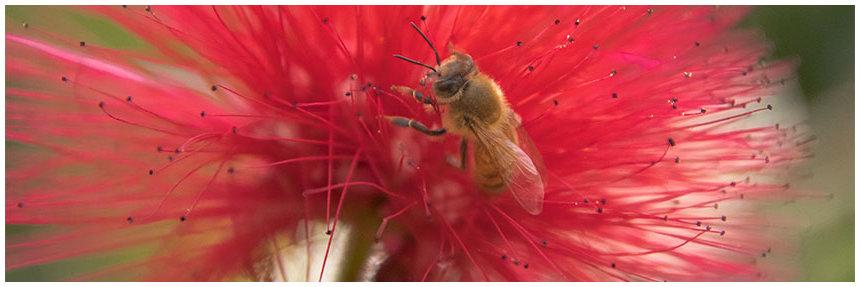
x=410, y=123
x=420, y=97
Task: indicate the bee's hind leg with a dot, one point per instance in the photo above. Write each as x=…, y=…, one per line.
x=464, y=148
x=410, y=123
x=461, y=163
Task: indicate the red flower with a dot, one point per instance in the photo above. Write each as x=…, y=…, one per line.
x=236, y=124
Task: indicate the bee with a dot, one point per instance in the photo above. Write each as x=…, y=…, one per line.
x=504, y=157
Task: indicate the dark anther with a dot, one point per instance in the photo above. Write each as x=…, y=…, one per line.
x=214, y=88
x=613, y=264
x=504, y=257
x=698, y=44
x=733, y=184
x=543, y=242
x=128, y=99
x=230, y=170
x=603, y=201
x=613, y=73
x=530, y=68
x=202, y=114
x=64, y=79
x=768, y=250
x=698, y=223
x=526, y=266
x=600, y=210
x=519, y=43
x=83, y=43
x=183, y=218
x=177, y=151
x=704, y=110
x=159, y=149
x=767, y=159
x=744, y=73
x=576, y=23
x=557, y=21
x=585, y=200
x=763, y=255
x=570, y=39
x=650, y=11
x=328, y=232
x=347, y=94
x=596, y=46
x=148, y=8
x=325, y=20
x=25, y=25
x=101, y=104
x=169, y=158
x=716, y=206
x=20, y=205
x=517, y=262
x=770, y=107
x=151, y=172
x=723, y=232
x=130, y=220
x=554, y=102
x=671, y=142
x=677, y=159
x=423, y=17
x=723, y=218
x=665, y=217
x=614, y=95
x=708, y=228
x=124, y=6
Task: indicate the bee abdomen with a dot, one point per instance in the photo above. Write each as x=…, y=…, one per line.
x=486, y=174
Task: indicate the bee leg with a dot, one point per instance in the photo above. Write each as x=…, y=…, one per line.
x=461, y=162
x=410, y=123
x=463, y=150
x=420, y=97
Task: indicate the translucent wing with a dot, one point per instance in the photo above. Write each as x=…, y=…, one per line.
x=524, y=141
x=522, y=178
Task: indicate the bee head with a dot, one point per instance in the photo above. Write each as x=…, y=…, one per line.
x=453, y=74
x=457, y=65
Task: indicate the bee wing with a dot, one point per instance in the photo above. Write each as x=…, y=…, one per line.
x=524, y=180
x=528, y=146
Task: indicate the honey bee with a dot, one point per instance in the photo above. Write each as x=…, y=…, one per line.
x=504, y=156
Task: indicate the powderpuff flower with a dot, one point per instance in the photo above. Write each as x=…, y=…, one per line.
x=230, y=143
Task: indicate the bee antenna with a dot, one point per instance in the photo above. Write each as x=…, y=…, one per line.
x=414, y=62
x=435, y=52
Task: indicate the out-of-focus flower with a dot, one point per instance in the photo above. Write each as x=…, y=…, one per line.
x=240, y=133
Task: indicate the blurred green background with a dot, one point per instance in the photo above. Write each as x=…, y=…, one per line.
x=819, y=38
